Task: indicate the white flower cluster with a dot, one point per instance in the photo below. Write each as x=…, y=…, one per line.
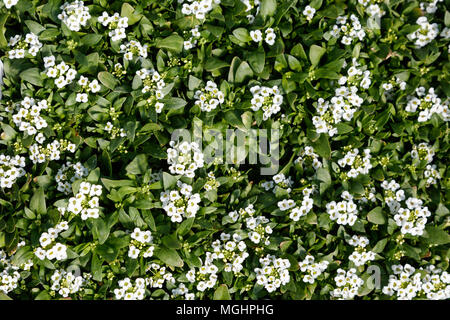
x=140, y=242
x=159, y=276
x=356, y=77
x=267, y=99
x=9, y=276
x=308, y=156
x=348, y=284
x=133, y=49
x=152, y=82
x=430, y=6
x=392, y=194
x=273, y=272
x=411, y=219
x=129, y=291
x=181, y=203
x=88, y=86
x=211, y=182
x=394, y=82
x=428, y=103
x=431, y=174
x=408, y=283
x=116, y=24
x=67, y=174
x=192, y=41
x=114, y=131
x=75, y=15
x=343, y=212
x=278, y=180
x=422, y=152
x=11, y=169
x=349, y=30
x=30, y=45
x=184, y=158
x=251, y=4
x=372, y=8
x=28, y=117
x=359, y=164
x=10, y=3
x=182, y=291
x=259, y=231
x=295, y=211
x=209, y=97
x=445, y=33
x=198, y=8
x=360, y=256
x=369, y=195
x=309, y=12
x=49, y=248
x=205, y=277
x=86, y=201
x=425, y=34
x=312, y=269
x=231, y=252
x=66, y=283
x=269, y=36
x=62, y=73
x=52, y=151
x=345, y=102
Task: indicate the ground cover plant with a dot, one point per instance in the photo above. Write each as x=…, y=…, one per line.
x=100, y=200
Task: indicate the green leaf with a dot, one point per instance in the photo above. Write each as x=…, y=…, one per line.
x=324, y=175
x=173, y=103
x=32, y=76
x=34, y=27
x=435, y=235
x=213, y=64
x=172, y=43
x=4, y=296
x=90, y=39
x=127, y=11
x=267, y=8
x=107, y=79
x=194, y=82
x=3, y=41
x=376, y=216
x=185, y=226
x=315, y=53
x=257, y=60
x=322, y=146
x=233, y=118
x=37, y=202
x=171, y=241
x=222, y=293
x=169, y=257
x=169, y=181
x=100, y=230
x=139, y=165
x=379, y=247
x=343, y=128
x=22, y=256
x=243, y=72
x=111, y=248
x=242, y=34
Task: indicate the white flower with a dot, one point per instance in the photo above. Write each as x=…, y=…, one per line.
x=256, y=35
x=10, y=3
x=309, y=12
